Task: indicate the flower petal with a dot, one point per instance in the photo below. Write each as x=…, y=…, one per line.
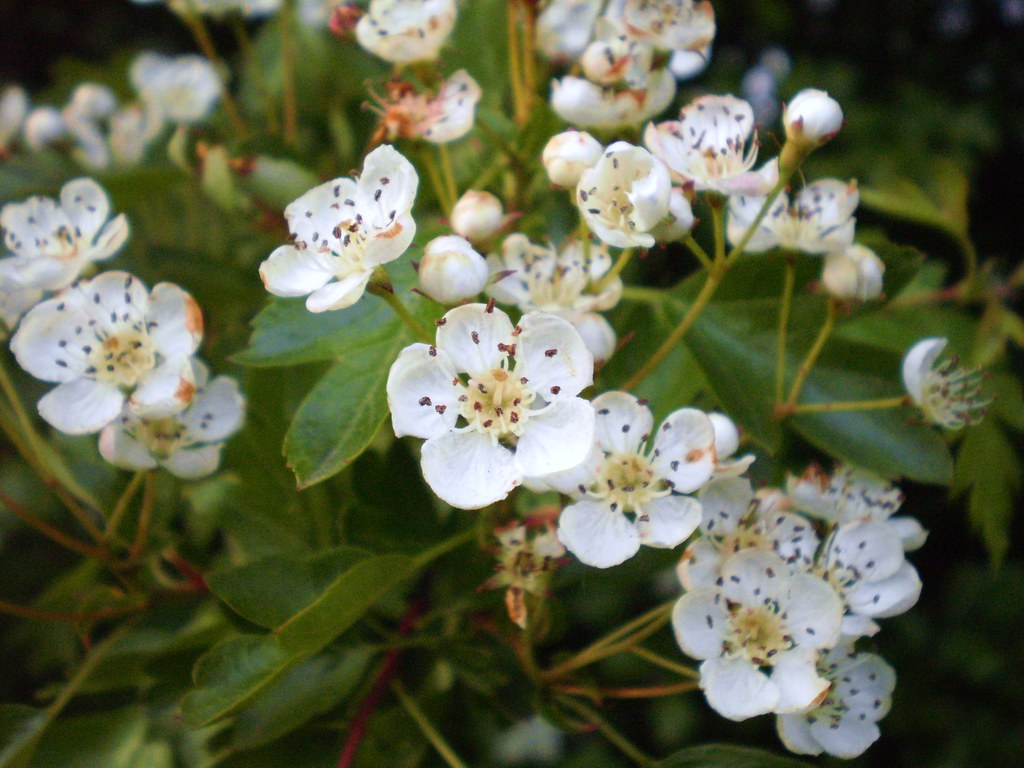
x=165, y=390
x=422, y=399
x=193, y=463
x=596, y=534
x=796, y=676
x=338, y=295
x=795, y=732
x=668, y=521
x=216, y=412
x=888, y=597
x=470, y=336
x=918, y=362
x=725, y=503
x=623, y=423
x=557, y=438
x=81, y=406
x=684, y=449
x=291, y=272
x=552, y=355
x=736, y=689
x=175, y=321
x=86, y=205
x=122, y=450
x=468, y=470
x=700, y=623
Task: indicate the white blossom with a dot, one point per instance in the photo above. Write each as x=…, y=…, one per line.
x=568, y=154
x=624, y=196
x=758, y=630
x=13, y=110
x=854, y=274
x=104, y=132
x=687, y=64
x=497, y=403
x=616, y=57
x=15, y=302
x=565, y=27
x=44, y=126
x=437, y=118
x=727, y=442
x=451, y=271
x=477, y=216
x=713, y=146
x=183, y=89
x=812, y=118
x=187, y=444
x=559, y=280
x=948, y=395
x=678, y=222
x=819, y=219
x=630, y=490
x=404, y=31
x=669, y=25
x=344, y=229
x=106, y=341
x=590, y=105
x=53, y=241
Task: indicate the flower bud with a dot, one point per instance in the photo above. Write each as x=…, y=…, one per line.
x=812, y=118
x=855, y=273
x=727, y=436
x=477, y=216
x=567, y=155
x=451, y=271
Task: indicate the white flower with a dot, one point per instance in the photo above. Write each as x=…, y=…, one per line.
x=108, y=340
x=439, y=119
x=853, y=495
x=187, y=444
x=844, y=724
x=342, y=231
x=130, y=132
x=44, y=126
x=727, y=442
x=568, y=154
x=565, y=27
x=686, y=64
x=712, y=146
x=617, y=58
x=477, y=216
x=947, y=395
x=679, y=221
x=735, y=519
x=106, y=134
x=496, y=403
x=543, y=278
x=759, y=615
x=812, y=118
x=14, y=302
x=629, y=490
x=13, y=109
x=589, y=105
x=818, y=220
x=451, y=271
x=669, y=25
x=854, y=274
x=183, y=88
x=54, y=241
x=624, y=196
x=404, y=31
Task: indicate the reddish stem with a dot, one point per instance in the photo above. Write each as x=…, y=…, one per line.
x=381, y=683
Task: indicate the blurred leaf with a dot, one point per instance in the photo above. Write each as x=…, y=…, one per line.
x=218, y=180
x=988, y=470
x=109, y=739
x=270, y=590
x=20, y=729
x=277, y=182
x=942, y=206
x=728, y=756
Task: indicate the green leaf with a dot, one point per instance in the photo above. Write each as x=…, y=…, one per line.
x=20, y=729
x=110, y=739
x=988, y=470
x=294, y=584
x=728, y=756
x=277, y=182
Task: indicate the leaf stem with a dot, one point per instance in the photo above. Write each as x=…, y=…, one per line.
x=51, y=532
x=638, y=692
x=39, y=614
x=812, y=354
x=620, y=742
x=784, y=311
x=122, y=505
x=389, y=296
x=201, y=35
x=426, y=727
x=660, y=661
x=853, y=405
x=145, y=515
x=515, y=68
x=448, y=174
x=289, y=98
x=436, y=181
x=698, y=251
x=740, y=247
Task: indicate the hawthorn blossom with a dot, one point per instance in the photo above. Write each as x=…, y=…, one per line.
x=947, y=394
x=44, y=127
x=438, y=118
x=106, y=133
x=344, y=229
x=527, y=555
x=855, y=274
x=405, y=31
x=617, y=58
x=107, y=342
x=624, y=196
x=590, y=105
x=758, y=629
x=818, y=219
x=548, y=279
x=53, y=241
x=845, y=723
x=630, y=489
x=451, y=270
x=187, y=444
x=687, y=64
x=568, y=154
x=477, y=216
x=678, y=221
x=497, y=403
x=564, y=27
x=183, y=89
x=727, y=442
x=669, y=25
x=812, y=118
x=712, y=146
x=13, y=110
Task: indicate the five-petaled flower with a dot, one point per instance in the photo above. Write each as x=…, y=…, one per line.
x=497, y=403
x=947, y=394
x=404, y=31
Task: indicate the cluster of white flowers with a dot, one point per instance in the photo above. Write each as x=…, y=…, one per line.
x=780, y=585
x=314, y=13
x=122, y=355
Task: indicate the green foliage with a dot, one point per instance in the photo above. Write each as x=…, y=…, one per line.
x=727, y=756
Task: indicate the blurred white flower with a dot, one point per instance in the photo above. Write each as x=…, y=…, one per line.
x=947, y=394
x=184, y=89
x=404, y=31
x=451, y=270
x=568, y=154
x=853, y=274
x=44, y=126
x=812, y=118
x=13, y=110
x=439, y=119
x=589, y=105
x=564, y=27
x=669, y=25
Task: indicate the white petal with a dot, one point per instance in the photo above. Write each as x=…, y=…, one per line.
x=573, y=481
x=597, y=334
x=165, y=390
x=725, y=503
x=470, y=336
x=795, y=674
x=849, y=739
x=387, y=188
x=910, y=531
x=736, y=689
x=314, y=217
x=668, y=521
x=175, y=321
x=86, y=205
x=700, y=565
x=291, y=272
x=597, y=535
x=558, y=438
x=193, y=463
x=623, y=424
x=753, y=575
x=38, y=346
x=868, y=551
x=217, y=411
x=700, y=623
x=421, y=397
x=110, y=239
x=855, y=626
x=684, y=449
x=338, y=295
x=918, y=362
x=795, y=732
x=468, y=470
x=122, y=450
x=814, y=611
x=82, y=406
x=552, y=355
x=889, y=597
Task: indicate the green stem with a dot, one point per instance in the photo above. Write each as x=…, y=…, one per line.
x=52, y=533
x=426, y=727
x=436, y=181
x=286, y=20
x=448, y=174
x=780, y=347
x=658, y=660
x=717, y=204
x=698, y=251
x=812, y=354
x=122, y=504
x=619, y=741
x=620, y=264
x=738, y=249
x=407, y=317
x=853, y=405
x=96, y=655
x=201, y=34
x=145, y=515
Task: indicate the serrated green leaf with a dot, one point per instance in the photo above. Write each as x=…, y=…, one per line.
x=728, y=756
x=270, y=590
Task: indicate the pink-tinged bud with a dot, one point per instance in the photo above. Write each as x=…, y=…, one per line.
x=477, y=216
x=855, y=273
x=812, y=118
x=451, y=271
x=567, y=155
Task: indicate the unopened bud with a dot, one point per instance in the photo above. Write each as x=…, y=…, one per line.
x=855, y=273
x=567, y=155
x=812, y=118
x=451, y=271
x=477, y=216
x=727, y=435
